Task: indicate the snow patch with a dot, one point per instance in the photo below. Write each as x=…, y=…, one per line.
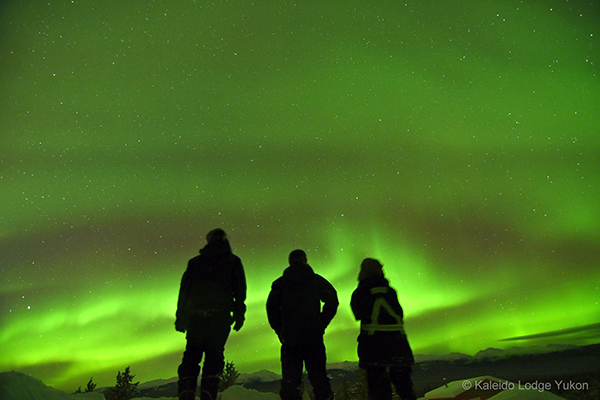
x=457, y=389
x=238, y=392
x=525, y=395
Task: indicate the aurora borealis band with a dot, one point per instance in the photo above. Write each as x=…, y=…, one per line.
x=458, y=142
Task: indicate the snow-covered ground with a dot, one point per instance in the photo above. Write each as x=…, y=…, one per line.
x=236, y=392
x=18, y=386
x=526, y=395
x=512, y=391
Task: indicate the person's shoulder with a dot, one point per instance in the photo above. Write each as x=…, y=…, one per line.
x=195, y=259
x=278, y=283
x=392, y=291
x=322, y=280
x=361, y=290
x=235, y=258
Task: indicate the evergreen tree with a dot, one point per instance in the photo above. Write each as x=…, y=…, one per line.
x=125, y=388
x=90, y=387
x=228, y=377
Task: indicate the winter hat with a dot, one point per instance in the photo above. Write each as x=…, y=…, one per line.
x=216, y=235
x=370, y=268
x=297, y=256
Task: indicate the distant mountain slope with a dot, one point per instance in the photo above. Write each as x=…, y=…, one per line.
x=260, y=376
x=18, y=386
x=570, y=363
x=430, y=372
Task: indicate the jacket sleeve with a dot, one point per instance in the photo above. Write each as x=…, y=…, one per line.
x=395, y=303
x=274, y=308
x=184, y=294
x=360, y=305
x=328, y=296
x=239, y=289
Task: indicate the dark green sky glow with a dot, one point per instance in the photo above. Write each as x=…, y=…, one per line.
x=458, y=142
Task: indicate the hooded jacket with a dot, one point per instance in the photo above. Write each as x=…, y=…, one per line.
x=294, y=305
x=214, y=283
x=382, y=340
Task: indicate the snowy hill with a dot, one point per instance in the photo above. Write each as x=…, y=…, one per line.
x=529, y=395
x=345, y=365
x=260, y=376
x=494, y=353
x=238, y=392
x=18, y=386
x=157, y=382
x=579, y=364
x=441, y=357
x=484, y=386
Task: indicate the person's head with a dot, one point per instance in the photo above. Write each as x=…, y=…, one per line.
x=216, y=235
x=298, y=257
x=370, y=268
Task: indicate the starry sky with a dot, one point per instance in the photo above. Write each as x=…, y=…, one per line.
x=457, y=142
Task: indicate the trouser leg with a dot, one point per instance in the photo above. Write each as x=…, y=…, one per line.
x=316, y=360
x=378, y=383
x=209, y=387
x=214, y=359
x=189, y=368
x=186, y=388
x=401, y=378
x=291, y=373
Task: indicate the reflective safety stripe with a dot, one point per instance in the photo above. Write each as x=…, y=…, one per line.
x=372, y=328
x=377, y=290
x=381, y=302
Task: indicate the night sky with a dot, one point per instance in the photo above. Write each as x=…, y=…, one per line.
x=457, y=142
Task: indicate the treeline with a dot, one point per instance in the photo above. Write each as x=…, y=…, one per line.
x=126, y=389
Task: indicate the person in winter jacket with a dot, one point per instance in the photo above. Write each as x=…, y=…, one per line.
x=211, y=298
x=295, y=314
x=383, y=348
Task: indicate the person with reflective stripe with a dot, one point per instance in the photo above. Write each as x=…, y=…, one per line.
x=383, y=349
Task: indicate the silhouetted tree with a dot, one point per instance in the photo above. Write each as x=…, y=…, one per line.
x=228, y=377
x=125, y=388
x=90, y=387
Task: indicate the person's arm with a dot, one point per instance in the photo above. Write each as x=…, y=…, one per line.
x=395, y=303
x=330, y=301
x=274, y=314
x=181, y=317
x=358, y=303
x=239, y=295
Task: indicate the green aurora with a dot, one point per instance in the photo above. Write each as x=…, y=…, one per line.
x=457, y=142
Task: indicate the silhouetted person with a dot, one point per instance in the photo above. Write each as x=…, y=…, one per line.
x=294, y=312
x=211, y=298
x=383, y=348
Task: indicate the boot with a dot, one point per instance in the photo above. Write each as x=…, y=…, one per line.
x=209, y=387
x=186, y=388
